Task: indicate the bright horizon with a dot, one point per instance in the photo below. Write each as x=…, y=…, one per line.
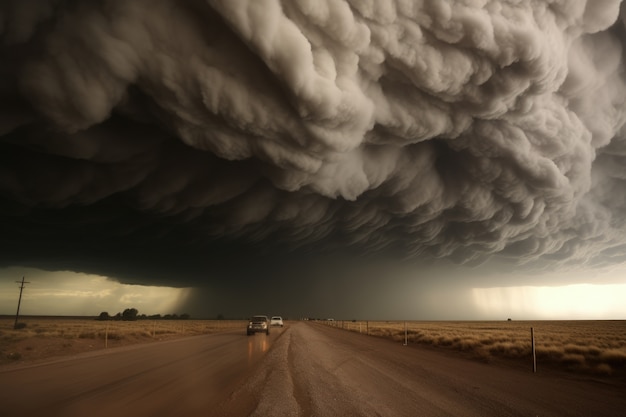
x=77, y=294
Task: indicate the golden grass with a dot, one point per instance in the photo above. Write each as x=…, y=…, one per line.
x=93, y=329
x=51, y=336
x=597, y=347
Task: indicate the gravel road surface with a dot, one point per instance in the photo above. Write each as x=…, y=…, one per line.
x=305, y=369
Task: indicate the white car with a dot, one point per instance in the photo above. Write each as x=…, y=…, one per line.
x=276, y=321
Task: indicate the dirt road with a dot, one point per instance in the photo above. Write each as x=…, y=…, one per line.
x=306, y=369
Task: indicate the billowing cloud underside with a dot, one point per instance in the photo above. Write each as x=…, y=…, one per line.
x=456, y=129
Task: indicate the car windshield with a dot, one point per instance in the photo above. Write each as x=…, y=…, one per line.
x=276, y=318
x=259, y=318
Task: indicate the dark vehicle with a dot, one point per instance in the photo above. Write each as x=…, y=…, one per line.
x=259, y=324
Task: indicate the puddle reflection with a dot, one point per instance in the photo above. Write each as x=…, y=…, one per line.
x=257, y=346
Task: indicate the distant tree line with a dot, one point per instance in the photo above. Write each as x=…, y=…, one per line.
x=132, y=314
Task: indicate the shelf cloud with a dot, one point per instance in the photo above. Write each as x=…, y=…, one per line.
x=167, y=142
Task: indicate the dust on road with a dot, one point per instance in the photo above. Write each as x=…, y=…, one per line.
x=305, y=369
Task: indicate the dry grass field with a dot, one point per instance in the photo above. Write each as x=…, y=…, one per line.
x=592, y=347
x=46, y=337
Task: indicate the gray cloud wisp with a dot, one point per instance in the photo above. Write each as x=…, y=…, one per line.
x=216, y=129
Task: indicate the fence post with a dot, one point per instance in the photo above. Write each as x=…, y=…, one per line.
x=532, y=344
x=405, y=335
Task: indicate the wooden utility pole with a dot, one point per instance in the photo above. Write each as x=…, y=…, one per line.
x=17, y=315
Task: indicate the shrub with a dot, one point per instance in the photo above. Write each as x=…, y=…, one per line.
x=573, y=359
x=603, y=369
x=130, y=314
x=104, y=316
x=549, y=353
x=614, y=357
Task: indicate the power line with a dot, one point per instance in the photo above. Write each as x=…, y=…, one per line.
x=17, y=315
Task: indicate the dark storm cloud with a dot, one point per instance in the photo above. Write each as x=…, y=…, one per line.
x=169, y=141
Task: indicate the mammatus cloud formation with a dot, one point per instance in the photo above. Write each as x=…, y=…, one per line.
x=200, y=132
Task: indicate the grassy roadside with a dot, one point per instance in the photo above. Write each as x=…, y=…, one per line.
x=584, y=347
x=588, y=347
x=48, y=337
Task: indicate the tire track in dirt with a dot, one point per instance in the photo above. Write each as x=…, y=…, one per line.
x=298, y=390
x=320, y=371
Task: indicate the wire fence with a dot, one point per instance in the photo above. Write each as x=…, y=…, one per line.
x=597, y=347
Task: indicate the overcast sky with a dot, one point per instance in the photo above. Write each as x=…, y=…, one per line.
x=354, y=159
